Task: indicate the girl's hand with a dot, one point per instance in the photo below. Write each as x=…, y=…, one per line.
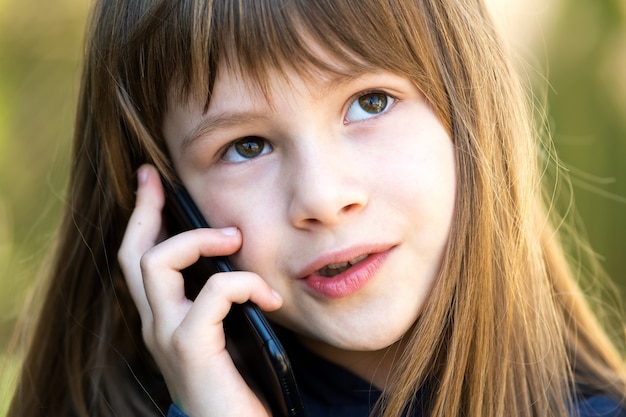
x=186, y=338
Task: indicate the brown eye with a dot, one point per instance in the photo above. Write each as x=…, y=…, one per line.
x=246, y=148
x=250, y=147
x=369, y=105
x=373, y=103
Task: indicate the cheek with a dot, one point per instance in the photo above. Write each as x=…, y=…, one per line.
x=426, y=180
x=256, y=215
x=259, y=250
x=425, y=188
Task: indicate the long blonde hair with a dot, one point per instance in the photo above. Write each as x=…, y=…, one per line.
x=506, y=331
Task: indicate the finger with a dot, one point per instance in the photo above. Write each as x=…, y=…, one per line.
x=160, y=268
x=141, y=234
x=215, y=300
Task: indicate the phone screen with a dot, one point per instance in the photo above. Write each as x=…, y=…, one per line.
x=251, y=341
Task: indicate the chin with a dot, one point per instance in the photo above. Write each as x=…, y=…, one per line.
x=368, y=344
x=357, y=340
x=366, y=334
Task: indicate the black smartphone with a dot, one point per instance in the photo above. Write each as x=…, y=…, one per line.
x=251, y=340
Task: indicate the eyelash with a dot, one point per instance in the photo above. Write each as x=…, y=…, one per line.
x=389, y=102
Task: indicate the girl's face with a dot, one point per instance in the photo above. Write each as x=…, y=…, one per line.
x=343, y=189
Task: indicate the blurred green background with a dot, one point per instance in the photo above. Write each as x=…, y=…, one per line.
x=40, y=49
x=575, y=54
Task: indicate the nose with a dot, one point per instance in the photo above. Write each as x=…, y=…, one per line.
x=327, y=187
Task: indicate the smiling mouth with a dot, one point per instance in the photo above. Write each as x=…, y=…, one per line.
x=332, y=270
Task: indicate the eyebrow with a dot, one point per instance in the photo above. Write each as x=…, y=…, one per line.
x=221, y=121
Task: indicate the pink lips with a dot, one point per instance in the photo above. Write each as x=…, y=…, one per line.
x=349, y=281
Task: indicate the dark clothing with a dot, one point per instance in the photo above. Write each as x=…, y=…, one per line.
x=329, y=390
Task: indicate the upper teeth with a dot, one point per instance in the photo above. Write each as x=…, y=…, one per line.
x=336, y=268
x=345, y=264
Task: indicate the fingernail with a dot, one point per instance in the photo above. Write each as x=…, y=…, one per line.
x=229, y=231
x=142, y=175
x=276, y=295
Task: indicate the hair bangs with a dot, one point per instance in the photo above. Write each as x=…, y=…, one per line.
x=259, y=39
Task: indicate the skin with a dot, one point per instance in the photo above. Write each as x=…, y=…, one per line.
x=330, y=178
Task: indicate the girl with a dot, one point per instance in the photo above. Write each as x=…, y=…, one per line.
x=370, y=168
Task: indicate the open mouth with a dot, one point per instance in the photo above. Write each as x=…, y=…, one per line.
x=332, y=270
